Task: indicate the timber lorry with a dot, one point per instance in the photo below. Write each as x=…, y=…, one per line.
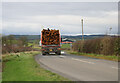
x=50, y=41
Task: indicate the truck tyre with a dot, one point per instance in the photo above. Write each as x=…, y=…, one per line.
x=43, y=53
x=58, y=53
x=47, y=53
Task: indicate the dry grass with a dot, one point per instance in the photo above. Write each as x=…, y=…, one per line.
x=109, y=57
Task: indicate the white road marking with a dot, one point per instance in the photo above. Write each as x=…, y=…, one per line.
x=62, y=56
x=115, y=68
x=83, y=61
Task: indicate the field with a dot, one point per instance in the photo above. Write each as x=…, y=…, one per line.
x=65, y=46
x=22, y=67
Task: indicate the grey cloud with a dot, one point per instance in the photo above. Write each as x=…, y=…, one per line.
x=26, y=12
x=60, y=8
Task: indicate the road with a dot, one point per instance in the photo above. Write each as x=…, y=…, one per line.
x=80, y=68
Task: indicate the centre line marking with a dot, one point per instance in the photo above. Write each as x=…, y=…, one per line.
x=83, y=61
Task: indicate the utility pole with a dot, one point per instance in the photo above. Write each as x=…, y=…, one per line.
x=82, y=42
x=110, y=30
x=82, y=29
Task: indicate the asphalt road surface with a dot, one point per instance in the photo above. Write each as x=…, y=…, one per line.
x=80, y=68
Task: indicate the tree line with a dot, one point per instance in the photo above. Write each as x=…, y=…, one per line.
x=10, y=44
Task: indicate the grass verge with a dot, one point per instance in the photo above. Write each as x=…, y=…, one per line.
x=65, y=46
x=110, y=57
x=22, y=67
x=37, y=47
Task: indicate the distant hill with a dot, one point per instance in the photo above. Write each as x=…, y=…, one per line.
x=34, y=37
x=29, y=37
x=85, y=36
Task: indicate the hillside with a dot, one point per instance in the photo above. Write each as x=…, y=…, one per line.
x=34, y=37
x=29, y=37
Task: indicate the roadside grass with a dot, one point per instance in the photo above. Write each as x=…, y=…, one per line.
x=65, y=46
x=22, y=67
x=110, y=57
x=37, y=47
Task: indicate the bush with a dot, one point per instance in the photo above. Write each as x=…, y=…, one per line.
x=92, y=46
x=117, y=46
x=10, y=49
x=106, y=45
x=10, y=44
x=75, y=46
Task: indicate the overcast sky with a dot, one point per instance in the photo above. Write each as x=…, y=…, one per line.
x=28, y=18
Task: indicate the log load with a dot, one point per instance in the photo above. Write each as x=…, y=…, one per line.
x=50, y=37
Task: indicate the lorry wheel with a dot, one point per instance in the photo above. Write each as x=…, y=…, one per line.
x=43, y=54
x=58, y=53
x=48, y=53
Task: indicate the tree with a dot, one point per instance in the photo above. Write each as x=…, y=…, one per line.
x=4, y=40
x=11, y=40
x=24, y=41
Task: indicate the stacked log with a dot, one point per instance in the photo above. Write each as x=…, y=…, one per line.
x=50, y=37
